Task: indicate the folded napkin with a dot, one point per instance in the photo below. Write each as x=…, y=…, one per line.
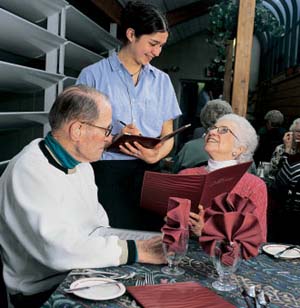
x=177, y=222
x=242, y=231
x=177, y=295
x=230, y=202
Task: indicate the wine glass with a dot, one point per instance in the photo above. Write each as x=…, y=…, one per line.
x=226, y=259
x=174, y=253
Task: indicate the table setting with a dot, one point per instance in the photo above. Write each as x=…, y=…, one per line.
x=278, y=278
x=228, y=267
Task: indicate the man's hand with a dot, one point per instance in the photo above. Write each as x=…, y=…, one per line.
x=150, y=251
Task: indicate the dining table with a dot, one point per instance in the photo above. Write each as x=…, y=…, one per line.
x=279, y=279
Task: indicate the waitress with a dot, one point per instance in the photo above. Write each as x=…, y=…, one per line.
x=141, y=96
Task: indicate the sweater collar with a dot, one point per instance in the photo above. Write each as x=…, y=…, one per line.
x=213, y=165
x=63, y=157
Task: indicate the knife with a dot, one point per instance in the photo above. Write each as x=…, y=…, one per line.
x=247, y=299
x=71, y=290
x=278, y=254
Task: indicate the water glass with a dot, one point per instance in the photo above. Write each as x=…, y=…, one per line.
x=224, y=269
x=174, y=253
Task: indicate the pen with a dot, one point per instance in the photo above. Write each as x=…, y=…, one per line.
x=123, y=123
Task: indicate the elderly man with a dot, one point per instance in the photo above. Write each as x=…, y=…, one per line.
x=49, y=206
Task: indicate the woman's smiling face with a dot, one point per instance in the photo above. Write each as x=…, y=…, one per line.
x=222, y=146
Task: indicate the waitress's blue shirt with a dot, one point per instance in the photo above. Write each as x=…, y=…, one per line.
x=148, y=104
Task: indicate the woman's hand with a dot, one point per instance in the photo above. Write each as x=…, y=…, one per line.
x=150, y=156
x=131, y=129
x=196, y=221
x=288, y=142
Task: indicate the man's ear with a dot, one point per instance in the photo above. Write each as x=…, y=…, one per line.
x=75, y=130
x=130, y=34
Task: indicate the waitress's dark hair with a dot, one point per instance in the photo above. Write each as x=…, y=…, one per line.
x=144, y=18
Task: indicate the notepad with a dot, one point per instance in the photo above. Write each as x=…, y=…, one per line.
x=147, y=142
x=199, y=188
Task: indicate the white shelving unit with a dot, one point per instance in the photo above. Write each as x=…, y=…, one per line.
x=44, y=46
x=25, y=38
x=34, y=10
x=22, y=119
x=74, y=52
x=23, y=79
x=85, y=32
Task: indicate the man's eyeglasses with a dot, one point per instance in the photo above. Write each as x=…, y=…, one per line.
x=108, y=130
x=222, y=130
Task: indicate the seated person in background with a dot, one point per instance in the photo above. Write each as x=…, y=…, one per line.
x=49, y=205
x=270, y=136
x=288, y=147
x=232, y=140
x=205, y=95
x=192, y=153
x=285, y=192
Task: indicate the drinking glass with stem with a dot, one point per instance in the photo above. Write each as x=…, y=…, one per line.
x=226, y=259
x=174, y=253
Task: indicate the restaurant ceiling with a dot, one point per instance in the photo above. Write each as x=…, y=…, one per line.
x=189, y=17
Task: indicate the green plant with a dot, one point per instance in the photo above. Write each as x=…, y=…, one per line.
x=223, y=21
x=223, y=27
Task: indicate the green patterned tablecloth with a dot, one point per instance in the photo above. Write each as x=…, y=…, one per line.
x=280, y=279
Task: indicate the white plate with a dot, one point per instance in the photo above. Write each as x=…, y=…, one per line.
x=99, y=292
x=272, y=249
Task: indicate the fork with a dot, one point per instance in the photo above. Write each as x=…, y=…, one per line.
x=140, y=281
x=110, y=275
x=278, y=254
x=149, y=278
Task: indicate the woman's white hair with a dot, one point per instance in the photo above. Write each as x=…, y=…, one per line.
x=246, y=134
x=295, y=124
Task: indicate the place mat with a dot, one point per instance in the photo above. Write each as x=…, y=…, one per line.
x=177, y=295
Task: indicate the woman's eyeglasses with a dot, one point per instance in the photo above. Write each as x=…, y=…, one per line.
x=222, y=130
x=108, y=130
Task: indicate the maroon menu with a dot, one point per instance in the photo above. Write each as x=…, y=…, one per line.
x=200, y=188
x=147, y=142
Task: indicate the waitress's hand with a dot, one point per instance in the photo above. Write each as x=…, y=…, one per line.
x=150, y=156
x=131, y=129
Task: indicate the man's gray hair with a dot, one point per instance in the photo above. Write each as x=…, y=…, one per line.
x=212, y=111
x=75, y=103
x=246, y=135
x=275, y=118
x=295, y=124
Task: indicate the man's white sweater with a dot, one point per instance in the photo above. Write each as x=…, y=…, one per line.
x=47, y=219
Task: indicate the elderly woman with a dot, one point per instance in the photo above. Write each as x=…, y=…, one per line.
x=192, y=153
x=288, y=147
x=232, y=140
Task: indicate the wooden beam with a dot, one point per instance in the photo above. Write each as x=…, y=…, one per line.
x=112, y=8
x=243, y=56
x=228, y=72
x=189, y=11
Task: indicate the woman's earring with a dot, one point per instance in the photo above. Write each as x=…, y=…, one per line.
x=234, y=154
